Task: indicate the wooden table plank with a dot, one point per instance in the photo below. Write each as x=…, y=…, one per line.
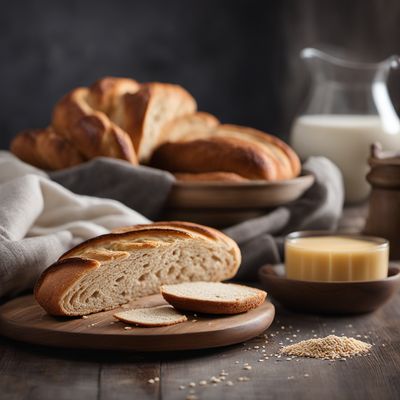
x=127, y=378
x=28, y=372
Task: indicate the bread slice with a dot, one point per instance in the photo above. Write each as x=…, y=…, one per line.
x=146, y=112
x=152, y=316
x=213, y=297
x=107, y=271
x=182, y=127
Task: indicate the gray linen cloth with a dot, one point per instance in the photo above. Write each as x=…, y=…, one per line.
x=43, y=215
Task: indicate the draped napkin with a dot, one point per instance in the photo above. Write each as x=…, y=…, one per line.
x=43, y=215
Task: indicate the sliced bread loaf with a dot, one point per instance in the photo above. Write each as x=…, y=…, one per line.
x=213, y=297
x=107, y=271
x=152, y=317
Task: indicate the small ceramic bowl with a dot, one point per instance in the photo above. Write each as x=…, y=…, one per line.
x=329, y=297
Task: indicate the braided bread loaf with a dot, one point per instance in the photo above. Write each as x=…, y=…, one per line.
x=114, y=117
x=109, y=270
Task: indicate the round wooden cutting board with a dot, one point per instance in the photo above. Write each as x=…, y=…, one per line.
x=23, y=319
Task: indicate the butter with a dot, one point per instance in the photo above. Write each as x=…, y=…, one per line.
x=336, y=258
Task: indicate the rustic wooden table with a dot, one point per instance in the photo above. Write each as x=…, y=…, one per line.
x=34, y=372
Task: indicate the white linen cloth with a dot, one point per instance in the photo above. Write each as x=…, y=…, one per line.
x=40, y=220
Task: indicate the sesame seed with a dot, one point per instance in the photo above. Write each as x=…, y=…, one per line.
x=327, y=348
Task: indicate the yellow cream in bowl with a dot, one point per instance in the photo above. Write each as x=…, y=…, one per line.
x=336, y=258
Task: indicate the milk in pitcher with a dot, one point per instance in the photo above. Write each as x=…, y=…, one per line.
x=344, y=139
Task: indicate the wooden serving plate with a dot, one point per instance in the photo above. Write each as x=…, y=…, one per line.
x=23, y=319
x=237, y=195
x=329, y=297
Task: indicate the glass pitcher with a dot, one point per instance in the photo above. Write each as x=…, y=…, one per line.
x=349, y=108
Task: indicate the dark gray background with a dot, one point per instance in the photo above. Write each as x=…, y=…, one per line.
x=238, y=58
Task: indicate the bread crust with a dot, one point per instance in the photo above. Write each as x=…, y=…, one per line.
x=91, y=131
x=217, y=176
x=55, y=281
x=213, y=306
x=216, y=154
x=275, y=141
x=44, y=149
x=181, y=127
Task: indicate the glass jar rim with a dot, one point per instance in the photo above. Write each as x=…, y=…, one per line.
x=381, y=242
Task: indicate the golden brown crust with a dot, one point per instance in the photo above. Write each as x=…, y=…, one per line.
x=118, y=236
x=57, y=279
x=185, y=125
x=133, y=115
x=215, y=154
x=206, y=231
x=91, y=131
x=214, y=306
x=273, y=140
x=44, y=149
x=105, y=94
x=217, y=176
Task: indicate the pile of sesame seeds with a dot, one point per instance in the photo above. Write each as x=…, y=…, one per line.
x=327, y=348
